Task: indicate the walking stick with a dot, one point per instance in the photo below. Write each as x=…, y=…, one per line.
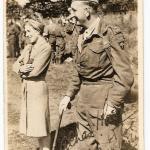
x=57, y=130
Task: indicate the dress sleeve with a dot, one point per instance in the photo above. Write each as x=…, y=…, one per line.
x=41, y=61
x=74, y=84
x=20, y=60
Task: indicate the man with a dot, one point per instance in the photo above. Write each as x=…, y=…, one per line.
x=13, y=39
x=60, y=42
x=54, y=33
x=71, y=37
x=102, y=77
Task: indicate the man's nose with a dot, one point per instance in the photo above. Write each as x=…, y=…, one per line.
x=69, y=9
x=72, y=14
x=27, y=34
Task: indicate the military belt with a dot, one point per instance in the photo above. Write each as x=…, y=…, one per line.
x=98, y=82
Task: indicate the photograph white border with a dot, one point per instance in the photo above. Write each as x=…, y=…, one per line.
x=145, y=72
x=1, y=76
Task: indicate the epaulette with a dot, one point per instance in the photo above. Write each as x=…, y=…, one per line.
x=116, y=34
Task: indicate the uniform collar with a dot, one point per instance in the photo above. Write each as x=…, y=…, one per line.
x=98, y=28
x=94, y=29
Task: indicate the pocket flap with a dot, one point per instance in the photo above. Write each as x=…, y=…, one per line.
x=98, y=46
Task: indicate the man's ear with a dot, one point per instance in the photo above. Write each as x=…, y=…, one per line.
x=87, y=12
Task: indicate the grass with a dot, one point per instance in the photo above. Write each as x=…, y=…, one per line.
x=58, y=79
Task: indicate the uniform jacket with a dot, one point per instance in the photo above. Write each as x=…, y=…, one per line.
x=13, y=39
x=55, y=35
x=101, y=57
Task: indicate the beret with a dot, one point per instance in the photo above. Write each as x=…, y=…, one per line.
x=36, y=25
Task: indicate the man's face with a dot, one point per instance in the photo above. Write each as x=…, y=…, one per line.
x=31, y=33
x=78, y=10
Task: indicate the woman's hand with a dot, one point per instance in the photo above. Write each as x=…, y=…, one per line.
x=26, y=68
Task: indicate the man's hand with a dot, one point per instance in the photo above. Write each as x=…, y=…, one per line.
x=26, y=68
x=109, y=110
x=63, y=104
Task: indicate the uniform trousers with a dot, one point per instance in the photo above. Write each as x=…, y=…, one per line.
x=93, y=132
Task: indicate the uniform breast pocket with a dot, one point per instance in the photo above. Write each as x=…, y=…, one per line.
x=96, y=59
x=96, y=50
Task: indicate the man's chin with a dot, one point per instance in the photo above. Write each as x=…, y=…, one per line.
x=81, y=26
x=78, y=23
x=31, y=42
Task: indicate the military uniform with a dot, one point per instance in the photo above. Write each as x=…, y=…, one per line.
x=102, y=75
x=71, y=38
x=54, y=33
x=13, y=40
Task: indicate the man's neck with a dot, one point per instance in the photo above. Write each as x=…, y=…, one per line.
x=89, y=22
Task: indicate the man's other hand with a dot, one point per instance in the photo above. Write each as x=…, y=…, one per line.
x=109, y=110
x=64, y=104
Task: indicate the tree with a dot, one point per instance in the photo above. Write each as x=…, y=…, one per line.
x=56, y=8
x=13, y=9
x=48, y=7
x=119, y=5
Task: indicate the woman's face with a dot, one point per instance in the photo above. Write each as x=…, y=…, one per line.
x=31, y=33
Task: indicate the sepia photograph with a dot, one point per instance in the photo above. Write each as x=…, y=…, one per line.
x=72, y=70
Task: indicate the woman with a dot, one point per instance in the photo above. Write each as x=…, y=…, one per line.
x=32, y=66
